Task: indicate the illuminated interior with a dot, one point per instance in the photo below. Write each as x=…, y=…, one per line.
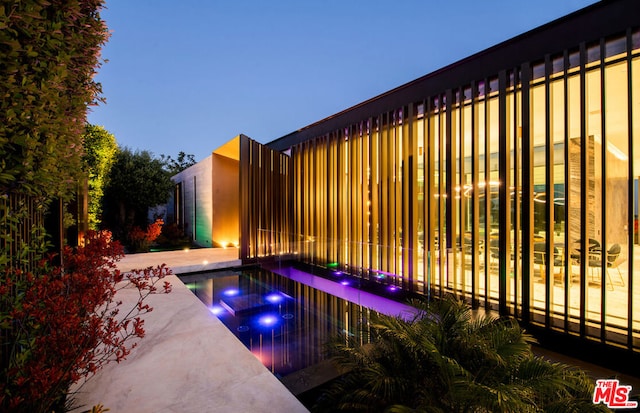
x=517, y=191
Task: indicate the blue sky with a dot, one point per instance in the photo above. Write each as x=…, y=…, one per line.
x=189, y=75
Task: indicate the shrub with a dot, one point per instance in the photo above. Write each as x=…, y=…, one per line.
x=61, y=324
x=140, y=240
x=172, y=236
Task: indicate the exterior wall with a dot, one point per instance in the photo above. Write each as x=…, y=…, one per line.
x=226, y=201
x=493, y=179
x=265, y=202
x=194, y=197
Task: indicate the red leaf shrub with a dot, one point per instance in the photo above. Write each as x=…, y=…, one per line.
x=140, y=240
x=60, y=325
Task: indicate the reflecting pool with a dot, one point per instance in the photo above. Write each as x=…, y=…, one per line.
x=285, y=318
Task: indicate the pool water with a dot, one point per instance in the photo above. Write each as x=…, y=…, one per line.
x=285, y=319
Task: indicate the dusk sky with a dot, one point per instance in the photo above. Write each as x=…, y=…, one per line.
x=190, y=75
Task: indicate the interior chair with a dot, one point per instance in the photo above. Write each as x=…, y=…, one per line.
x=540, y=258
x=612, y=255
x=494, y=250
x=593, y=248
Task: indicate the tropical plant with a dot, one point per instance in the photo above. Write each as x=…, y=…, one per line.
x=100, y=148
x=444, y=360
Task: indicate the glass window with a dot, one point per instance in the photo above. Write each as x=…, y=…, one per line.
x=538, y=70
x=593, y=53
x=615, y=47
x=635, y=251
x=557, y=65
x=574, y=61
x=573, y=195
x=617, y=193
x=593, y=187
x=556, y=259
x=537, y=198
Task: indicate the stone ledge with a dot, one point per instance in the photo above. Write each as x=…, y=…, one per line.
x=187, y=362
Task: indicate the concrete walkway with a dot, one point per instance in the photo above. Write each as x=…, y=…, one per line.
x=188, y=361
x=184, y=261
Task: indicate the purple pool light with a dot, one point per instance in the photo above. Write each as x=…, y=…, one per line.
x=392, y=288
x=274, y=298
x=354, y=295
x=338, y=273
x=231, y=292
x=345, y=282
x=268, y=320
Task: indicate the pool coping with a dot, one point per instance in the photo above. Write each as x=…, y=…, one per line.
x=174, y=367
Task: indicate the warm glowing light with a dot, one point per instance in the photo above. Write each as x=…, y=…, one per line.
x=205, y=262
x=186, y=249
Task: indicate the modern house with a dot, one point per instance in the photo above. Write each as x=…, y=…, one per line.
x=509, y=178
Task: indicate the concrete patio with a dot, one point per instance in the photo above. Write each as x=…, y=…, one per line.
x=188, y=361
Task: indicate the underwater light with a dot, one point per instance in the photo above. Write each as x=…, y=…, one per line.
x=274, y=298
x=345, y=282
x=267, y=320
x=216, y=310
x=231, y=292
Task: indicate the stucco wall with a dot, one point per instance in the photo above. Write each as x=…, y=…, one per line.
x=197, y=201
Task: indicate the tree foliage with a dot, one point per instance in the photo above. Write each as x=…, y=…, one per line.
x=100, y=148
x=136, y=182
x=182, y=162
x=49, y=52
x=444, y=361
